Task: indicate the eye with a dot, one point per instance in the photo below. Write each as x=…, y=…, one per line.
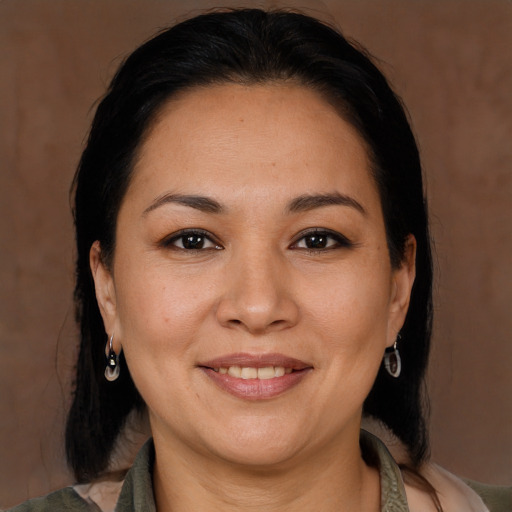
x=191, y=240
x=321, y=239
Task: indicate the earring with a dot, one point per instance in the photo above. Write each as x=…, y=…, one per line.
x=112, y=368
x=392, y=360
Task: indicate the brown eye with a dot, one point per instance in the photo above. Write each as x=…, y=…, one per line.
x=319, y=240
x=316, y=241
x=191, y=241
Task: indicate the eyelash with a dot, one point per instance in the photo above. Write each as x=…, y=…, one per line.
x=170, y=242
x=205, y=237
x=340, y=240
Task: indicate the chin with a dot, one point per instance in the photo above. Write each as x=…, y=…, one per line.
x=257, y=447
x=257, y=456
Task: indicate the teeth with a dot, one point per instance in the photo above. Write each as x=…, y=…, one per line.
x=235, y=371
x=247, y=372
x=279, y=371
x=266, y=373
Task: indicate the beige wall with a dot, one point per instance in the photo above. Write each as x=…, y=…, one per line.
x=451, y=62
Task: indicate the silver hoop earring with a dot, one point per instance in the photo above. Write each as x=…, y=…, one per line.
x=112, y=368
x=392, y=360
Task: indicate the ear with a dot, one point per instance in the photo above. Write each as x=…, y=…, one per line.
x=104, y=287
x=402, y=281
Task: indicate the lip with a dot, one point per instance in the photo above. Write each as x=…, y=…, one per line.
x=256, y=361
x=256, y=389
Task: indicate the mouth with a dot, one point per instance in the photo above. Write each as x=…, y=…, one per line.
x=250, y=372
x=255, y=377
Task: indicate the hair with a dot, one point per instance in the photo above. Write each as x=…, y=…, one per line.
x=247, y=46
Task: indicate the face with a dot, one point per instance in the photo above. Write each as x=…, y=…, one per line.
x=251, y=288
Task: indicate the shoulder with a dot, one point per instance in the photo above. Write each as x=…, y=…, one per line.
x=456, y=494
x=104, y=494
x=65, y=499
x=453, y=494
x=497, y=498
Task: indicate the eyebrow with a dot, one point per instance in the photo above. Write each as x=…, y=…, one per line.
x=302, y=203
x=201, y=203
x=311, y=201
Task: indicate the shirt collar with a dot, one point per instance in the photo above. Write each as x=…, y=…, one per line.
x=137, y=491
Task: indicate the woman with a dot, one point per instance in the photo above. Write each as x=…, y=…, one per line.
x=254, y=262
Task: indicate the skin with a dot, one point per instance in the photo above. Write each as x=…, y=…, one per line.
x=255, y=287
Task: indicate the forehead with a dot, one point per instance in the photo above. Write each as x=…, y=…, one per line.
x=237, y=139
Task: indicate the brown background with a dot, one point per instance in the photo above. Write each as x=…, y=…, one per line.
x=450, y=61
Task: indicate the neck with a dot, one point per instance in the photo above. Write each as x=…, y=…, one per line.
x=332, y=479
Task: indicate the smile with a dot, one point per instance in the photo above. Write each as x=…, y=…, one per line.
x=248, y=372
x=255, y=377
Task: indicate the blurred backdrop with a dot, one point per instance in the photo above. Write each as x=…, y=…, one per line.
x=450, y=61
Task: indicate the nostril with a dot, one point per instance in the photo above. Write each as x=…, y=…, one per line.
x=256, y=314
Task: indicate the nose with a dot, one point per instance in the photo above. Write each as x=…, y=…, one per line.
x=258, y=294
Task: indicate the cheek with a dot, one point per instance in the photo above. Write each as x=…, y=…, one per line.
x=349, y=317
x=350, y=305
x=159, y=326
x=352, y=324
x=158, y=314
